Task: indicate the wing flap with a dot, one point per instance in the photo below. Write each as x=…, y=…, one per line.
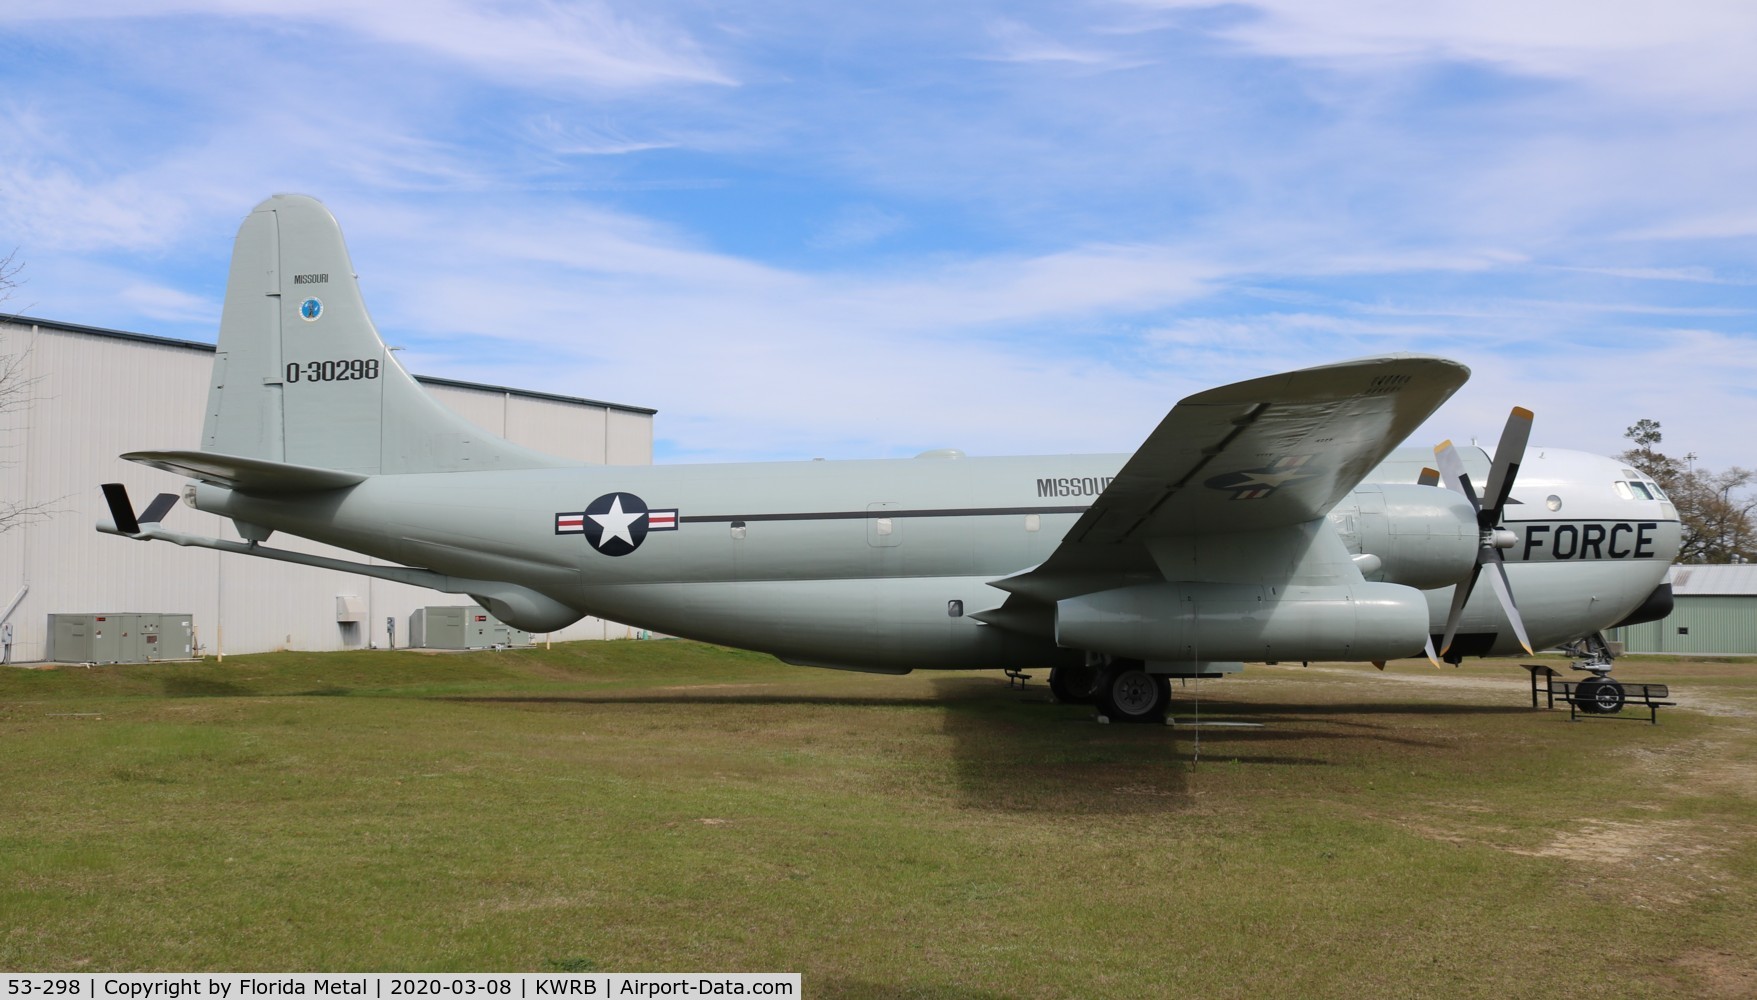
x=247, y=475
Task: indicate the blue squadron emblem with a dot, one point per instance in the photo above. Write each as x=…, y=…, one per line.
x=615, y=523
x=1255, y=484
x=310, y=309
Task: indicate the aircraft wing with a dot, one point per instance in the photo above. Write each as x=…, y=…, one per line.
x=1273, y=451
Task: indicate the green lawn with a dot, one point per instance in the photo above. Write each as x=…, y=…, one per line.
x=632, y=806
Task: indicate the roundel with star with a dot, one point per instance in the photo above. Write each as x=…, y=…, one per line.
x=616, y=523
x=1255, y=484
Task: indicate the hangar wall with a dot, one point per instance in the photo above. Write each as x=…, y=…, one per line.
x=1714, y=613
x=98, y=393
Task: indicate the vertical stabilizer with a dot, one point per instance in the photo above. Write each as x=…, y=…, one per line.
x=302, y=376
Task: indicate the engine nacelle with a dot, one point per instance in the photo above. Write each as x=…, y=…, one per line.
x=1223, y=621
x=526, y=609
x=1424, y=536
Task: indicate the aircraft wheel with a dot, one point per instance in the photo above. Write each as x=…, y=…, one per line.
x=1128, y=693
x=1600, y=696
x=1073, y=685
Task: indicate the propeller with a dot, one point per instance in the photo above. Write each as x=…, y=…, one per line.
x=1489, y=508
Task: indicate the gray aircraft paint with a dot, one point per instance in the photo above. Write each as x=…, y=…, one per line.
x=1237, y=531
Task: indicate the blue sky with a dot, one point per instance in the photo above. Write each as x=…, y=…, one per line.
x=803, y=230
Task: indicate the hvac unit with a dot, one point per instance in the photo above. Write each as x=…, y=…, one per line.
x=126, y=637
x=469, y=627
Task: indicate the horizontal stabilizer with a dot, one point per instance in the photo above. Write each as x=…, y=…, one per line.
x=156, y=511
x=122, y=509
x=247, y=475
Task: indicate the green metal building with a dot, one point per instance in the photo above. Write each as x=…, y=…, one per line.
x=1715, y=613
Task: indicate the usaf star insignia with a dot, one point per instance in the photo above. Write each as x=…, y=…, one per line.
x=615, y=523
x=1255, y=484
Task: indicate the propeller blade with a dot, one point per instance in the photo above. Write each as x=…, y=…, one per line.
x=1508, y=454
x=1460, y=595
x=1452, y=474
x=1428, y=647
x=1428, y=477
x=121, y=511
x=1504, y=591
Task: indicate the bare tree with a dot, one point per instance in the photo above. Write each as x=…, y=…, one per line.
x=16, y=387
x=1716, y=508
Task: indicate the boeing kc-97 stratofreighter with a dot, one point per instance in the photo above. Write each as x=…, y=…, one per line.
x=1249, y=526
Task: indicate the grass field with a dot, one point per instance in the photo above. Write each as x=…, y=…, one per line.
x=633, y=806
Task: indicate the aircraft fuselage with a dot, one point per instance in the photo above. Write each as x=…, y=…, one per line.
x=880, y=564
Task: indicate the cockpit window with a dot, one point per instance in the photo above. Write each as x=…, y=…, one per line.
x=1623, y=490
x=1641, y=490
x=1657, y=491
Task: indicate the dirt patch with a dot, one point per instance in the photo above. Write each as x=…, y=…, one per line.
x=1696, y=702
x=1647, y=864
x=1654, y=841
x=1656, y=864
x=1708, y=766
x=1721, y=973
x=1439, y=678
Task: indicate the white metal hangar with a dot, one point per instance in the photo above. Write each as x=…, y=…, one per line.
x=86, y=395
x=1714, y=614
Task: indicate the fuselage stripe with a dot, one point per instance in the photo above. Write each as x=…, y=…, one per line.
x=861, y=515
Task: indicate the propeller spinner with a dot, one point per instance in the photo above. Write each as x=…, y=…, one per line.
x=1489, y=508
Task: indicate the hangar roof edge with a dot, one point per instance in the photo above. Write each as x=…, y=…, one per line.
x=1714, y=579
x=196, y=345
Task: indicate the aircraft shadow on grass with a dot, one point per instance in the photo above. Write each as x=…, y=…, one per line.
x=1008, y=760
x=1048, y=758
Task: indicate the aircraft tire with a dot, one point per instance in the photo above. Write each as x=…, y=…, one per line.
x=1128, y=693
x=1599, y=696
x=1073, y=685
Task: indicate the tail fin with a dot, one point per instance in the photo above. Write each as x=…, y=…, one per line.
x=302, y=376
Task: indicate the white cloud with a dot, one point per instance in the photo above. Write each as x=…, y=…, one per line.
x=1737, y=223
x=1699, y=275
x=1647, y=47
x=1079, y=225
x=582, y=42
x=858, y=226
x=161, y=302
x=1015, y=42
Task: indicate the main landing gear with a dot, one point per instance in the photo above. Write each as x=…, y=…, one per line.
x=1073, y=685
x=1122, y=690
